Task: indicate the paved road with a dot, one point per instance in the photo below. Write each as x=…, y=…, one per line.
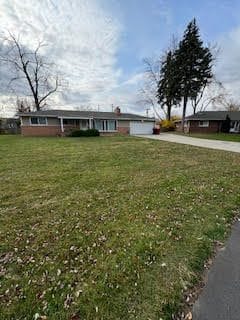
x=205, y=143
x=220, y=298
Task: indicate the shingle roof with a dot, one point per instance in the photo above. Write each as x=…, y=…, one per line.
x=85, y=114
x=215, y=115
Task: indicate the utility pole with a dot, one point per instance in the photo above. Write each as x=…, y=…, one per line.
x=147, y=111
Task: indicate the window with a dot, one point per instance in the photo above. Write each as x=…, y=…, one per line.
x=42, y=121
x=111, y=125
x=38, y=121
x=34, y=120
x=105, y=125
x=99, y=125
x=203, y=124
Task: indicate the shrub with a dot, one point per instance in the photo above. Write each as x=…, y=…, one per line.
x=167, y=125
x=85, y=133
x=176, y=118
x=92, y=133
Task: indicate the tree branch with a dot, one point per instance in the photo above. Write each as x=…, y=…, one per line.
x=32, y=66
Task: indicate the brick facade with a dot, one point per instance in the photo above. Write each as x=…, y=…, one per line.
x=214, y=127
x=123, y=130
x=40, y=131
x=54, y=129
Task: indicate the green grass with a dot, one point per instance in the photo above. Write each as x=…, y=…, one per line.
x=217, y=136
x=108, y=228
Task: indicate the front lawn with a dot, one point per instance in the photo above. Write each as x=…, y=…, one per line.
x=235, y=137
x=108, y=228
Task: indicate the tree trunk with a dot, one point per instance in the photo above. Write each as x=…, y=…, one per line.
x=169, y=112
x=36, y=103
x=185, y=99
x=38, y=108
x=194, y=107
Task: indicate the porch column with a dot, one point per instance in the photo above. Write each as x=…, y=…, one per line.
x=90, y=123
x=61, y=124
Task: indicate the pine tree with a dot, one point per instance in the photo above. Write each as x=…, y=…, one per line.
x=194, y=64
x=168, y=93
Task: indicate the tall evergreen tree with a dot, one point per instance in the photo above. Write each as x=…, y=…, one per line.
x=194, y=64
x=168, y=91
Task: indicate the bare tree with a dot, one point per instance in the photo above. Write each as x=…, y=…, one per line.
x=149, y=89
x=148, y=99
x=148, y=92
x=23, y=105
x=226, y=102
x=218, y=97
x=85, y=108
x=208, y=95
x=31, y=68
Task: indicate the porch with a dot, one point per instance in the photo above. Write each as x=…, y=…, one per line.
x=69, y=124
x=235, y=127
x=104, y=126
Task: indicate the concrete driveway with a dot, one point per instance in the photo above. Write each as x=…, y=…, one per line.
x=204, y=143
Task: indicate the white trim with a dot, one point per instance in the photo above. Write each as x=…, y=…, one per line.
x=77, y=118
x=38, y=124
x=90, y=121
x=105, y=121
x=127, y=119
x=61, y=124
x=39, y=116
x=90, y=117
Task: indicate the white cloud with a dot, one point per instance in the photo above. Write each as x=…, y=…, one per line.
x=125, y=94
x=82, y=40
x=162, y=9
x=228, y=66
x=135, y=79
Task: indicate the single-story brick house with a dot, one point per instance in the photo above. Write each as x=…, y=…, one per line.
x=61, y=122
x=211, y=122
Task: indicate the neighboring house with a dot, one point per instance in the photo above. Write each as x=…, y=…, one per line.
x=211, y=122
x=61, y=122
x=9, y=126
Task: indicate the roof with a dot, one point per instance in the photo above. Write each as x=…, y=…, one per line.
x=215, y=115
x=85, y=114
x=9, y=119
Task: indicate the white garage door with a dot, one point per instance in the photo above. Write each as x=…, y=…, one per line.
x=138, y=127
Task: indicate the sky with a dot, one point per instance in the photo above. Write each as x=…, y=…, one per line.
x=99, y=45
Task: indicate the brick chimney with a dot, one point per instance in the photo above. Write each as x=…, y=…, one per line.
x=117, y=110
